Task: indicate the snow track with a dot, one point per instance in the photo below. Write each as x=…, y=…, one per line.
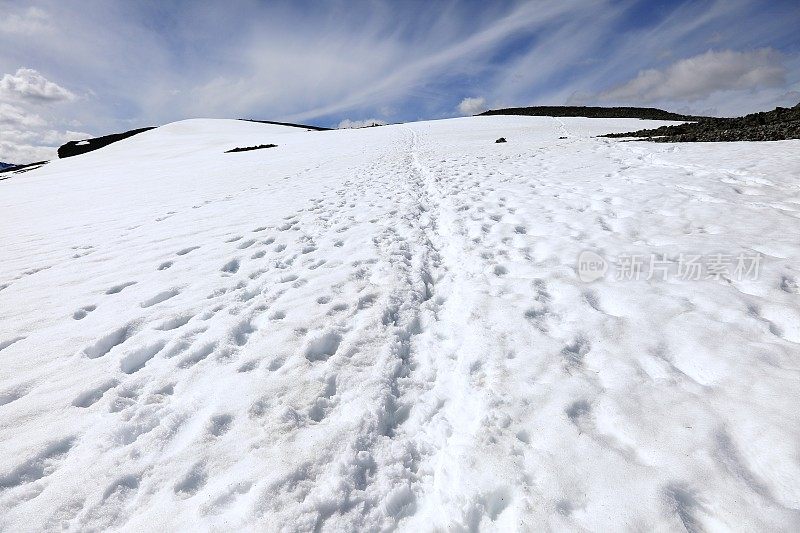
x=384, y=329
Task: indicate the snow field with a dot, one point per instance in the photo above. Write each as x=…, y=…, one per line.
x=384, y=328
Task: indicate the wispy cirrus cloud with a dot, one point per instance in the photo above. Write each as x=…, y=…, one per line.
x=129, y=64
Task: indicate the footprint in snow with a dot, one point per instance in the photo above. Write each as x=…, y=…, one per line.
x=93, y=395
x=220, y=424
x=160, y=297
x=81, y=313
x=231, y=267
x=249, y=366
x=186, y=250
x=107, y=342
x=198, y=355
x=119, y=288
x=39, y=465
x=322, y=346
x=175, y=322
x=14, y=393
x=193, y=481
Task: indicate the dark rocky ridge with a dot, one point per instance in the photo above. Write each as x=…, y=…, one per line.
x=74, y=148
x=314, y=128
x=19, y=169
x=647, y=113
x=779, y=124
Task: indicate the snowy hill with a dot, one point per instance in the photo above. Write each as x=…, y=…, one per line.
x=387, y=327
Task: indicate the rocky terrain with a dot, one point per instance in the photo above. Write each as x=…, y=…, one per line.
x=74, y=148
x=9, y=169
x=647, y=113
x=779, y=124
x=249, y=148
x=290, y=124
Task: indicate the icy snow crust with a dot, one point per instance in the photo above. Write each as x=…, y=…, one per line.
x=380, y=328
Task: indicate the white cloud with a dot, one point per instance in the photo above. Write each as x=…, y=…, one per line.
x=28, y=22
x=25, y=135
x=352, y=124
x=15, y=153
x=472, y=106
x=698, y=77
x=27, y=84
x=27, y=145
x=386, y=59
x=15, y=116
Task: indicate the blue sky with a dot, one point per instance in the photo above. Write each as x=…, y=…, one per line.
x=72, y=69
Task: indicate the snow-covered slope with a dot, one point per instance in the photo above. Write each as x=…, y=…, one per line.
x=364, y=329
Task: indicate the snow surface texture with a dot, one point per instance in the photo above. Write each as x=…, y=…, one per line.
x=384, y=328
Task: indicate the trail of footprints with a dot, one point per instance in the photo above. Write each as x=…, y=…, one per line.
x=263, y=268
x=183, y=341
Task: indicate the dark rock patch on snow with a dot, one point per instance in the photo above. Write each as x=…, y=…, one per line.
x=304, y=126
x=74, y=148
x=779, y=124
x=19, y=169
x=248, y=148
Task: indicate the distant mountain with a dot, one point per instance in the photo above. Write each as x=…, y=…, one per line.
x=648, y=113
x=5, y=165
x=779, y=124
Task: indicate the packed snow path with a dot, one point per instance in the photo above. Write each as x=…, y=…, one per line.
x=385, y=328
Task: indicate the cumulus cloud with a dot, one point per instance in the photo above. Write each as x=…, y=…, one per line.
x=26, y=146
x=16, y=153
x=472, y=106
x=27, y=84
x=696, y=78
x=25, y=135
x=352, y=124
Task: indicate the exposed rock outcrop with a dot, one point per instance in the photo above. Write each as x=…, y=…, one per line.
x=74, y=148
x=776, y=125
x=649, y=113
